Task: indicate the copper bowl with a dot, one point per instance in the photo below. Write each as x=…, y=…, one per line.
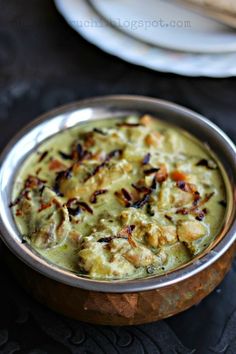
x=118, y=302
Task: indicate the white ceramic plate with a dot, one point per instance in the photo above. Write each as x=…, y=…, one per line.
x=161, y=23
x=84, y=20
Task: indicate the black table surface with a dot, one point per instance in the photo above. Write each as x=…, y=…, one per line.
x=43, y=64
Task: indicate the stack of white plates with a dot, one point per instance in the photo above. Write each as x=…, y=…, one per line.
x=156, y=34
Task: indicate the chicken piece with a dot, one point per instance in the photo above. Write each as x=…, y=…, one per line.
x=52, y=226
x=105, y=226
x=140, y=256
x=26, y=206
x=168, y=235
x=144, y=231
x=157, y=236
x=132, y=216
x=152, y=234
x=181, y=198
x=171, y=196
x=189, y=231
x=51, y=221
x=98, y=261
x=83, y=184
x=47, y=220
x=164, y=196
x=119, y=245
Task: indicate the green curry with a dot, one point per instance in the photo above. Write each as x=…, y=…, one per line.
x=116, y=199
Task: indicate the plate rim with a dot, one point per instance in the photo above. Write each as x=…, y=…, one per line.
x=187, y=64
x=219, y=49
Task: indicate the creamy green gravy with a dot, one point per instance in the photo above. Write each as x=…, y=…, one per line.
x=115, y=201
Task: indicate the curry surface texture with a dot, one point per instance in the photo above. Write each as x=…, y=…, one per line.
x=118, y=199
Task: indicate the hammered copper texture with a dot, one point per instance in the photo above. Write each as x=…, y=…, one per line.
x=121, y=309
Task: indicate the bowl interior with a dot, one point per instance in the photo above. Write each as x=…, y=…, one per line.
x=109, y=107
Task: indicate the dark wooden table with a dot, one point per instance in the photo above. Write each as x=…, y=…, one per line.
x=43, y=64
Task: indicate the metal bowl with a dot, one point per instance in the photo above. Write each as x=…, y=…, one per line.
x=130, y=301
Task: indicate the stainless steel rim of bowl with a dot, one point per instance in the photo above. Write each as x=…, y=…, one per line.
x=107, y=107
